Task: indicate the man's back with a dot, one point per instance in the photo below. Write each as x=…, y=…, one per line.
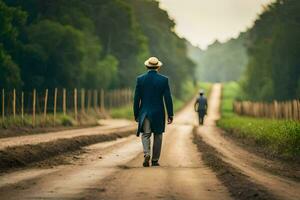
x=151, y=90
x=152, y=86
x=202, y=103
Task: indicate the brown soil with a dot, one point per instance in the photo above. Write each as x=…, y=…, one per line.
x=18, y=131
x=182, y=175
x=237, y=183
x=113, y=170
x=277, y=165
x=20, y=156
x=84, y=121
x=242, y=160
x=105, y=127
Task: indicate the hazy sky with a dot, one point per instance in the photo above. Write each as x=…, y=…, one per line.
x=204, y=21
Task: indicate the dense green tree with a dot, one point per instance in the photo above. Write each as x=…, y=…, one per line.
x=116, y=25
x=10, y=21
x=92, y=43
x=10, y=72
x=54, y=53
x=164, y=43
x=273, y=71
x=111, y=21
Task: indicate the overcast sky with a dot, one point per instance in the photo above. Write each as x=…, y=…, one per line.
x=204, y=21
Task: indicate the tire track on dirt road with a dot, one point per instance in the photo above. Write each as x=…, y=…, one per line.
x=113, y=170
x=182, y=174
x=66, y=182
x=119, y=173
x=242, y=160
x=108, y=127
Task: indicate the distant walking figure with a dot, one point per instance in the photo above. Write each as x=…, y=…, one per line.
x=201, y=106
x=152, y=89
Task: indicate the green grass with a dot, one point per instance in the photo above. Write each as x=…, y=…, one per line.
x=10, y=121
x=278, y=137
x=60, y=120
x=125, y=112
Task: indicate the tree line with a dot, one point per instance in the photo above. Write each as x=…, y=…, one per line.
x=221, y=62
x=90, y=44
x=273, y=70
x=265, y=59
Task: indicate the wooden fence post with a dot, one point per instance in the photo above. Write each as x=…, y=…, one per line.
x=120, y=97
x=54, y=109
x=295, y=110
x=14, y=103
x=234, y=106
x=89, y=100
x=64, y=101
x=114, y=98
x=102, y=100
x=22, y=106
x=75, y=104
x=275, y=109
x=45, y=106
x=298, y=103
x=126, y=96
x=280, y=110
x=117, y=95
x=130, y=96
x=95, y=100
x=82, y=94
x=290, y=103
x=286, y=109
x=33, y=107
x=110, y=100
x=3, y=105
x=99, y=101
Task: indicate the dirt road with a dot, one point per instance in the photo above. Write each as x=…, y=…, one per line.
x=106, y=127
x=244, y=161
x=113, y=170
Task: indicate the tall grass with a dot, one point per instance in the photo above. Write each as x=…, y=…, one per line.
x=49, y=121
x=278, y=137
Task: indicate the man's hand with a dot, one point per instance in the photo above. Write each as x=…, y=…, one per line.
x=170, y=120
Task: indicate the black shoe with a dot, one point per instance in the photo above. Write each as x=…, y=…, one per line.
x=146, y=161
x=155, y=163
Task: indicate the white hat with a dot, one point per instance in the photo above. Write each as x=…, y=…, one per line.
x=153, y=62
x=201, y=91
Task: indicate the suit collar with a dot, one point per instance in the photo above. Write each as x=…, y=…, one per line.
x=152, y=71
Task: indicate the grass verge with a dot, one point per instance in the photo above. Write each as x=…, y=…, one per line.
x=279, y=138
x=11, y=126
x=238, y=184
x=125, y=112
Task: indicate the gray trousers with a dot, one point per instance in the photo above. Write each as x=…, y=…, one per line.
x=146, y=141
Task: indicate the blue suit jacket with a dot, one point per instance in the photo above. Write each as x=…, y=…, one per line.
x=150, y=92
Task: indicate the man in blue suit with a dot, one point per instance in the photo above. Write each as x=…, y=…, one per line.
x=201, y=107
x=152, y=90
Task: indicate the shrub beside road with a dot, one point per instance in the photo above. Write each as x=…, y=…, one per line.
x=276, y=137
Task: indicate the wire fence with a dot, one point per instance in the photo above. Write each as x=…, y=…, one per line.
x=276, y=110
x=64, y=101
